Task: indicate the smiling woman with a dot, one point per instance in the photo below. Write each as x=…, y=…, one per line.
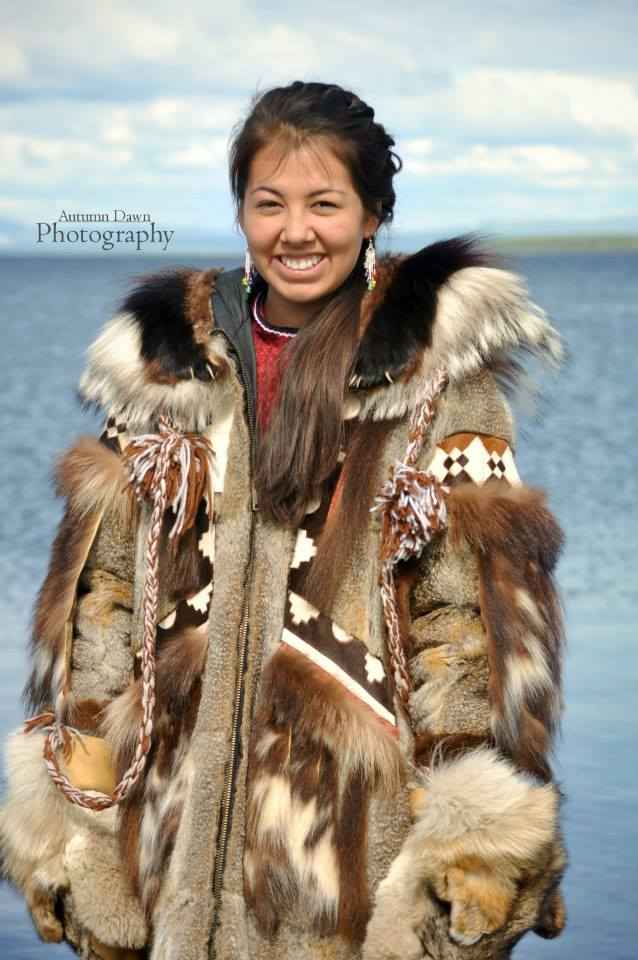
x=296, y=661
x=305, y=239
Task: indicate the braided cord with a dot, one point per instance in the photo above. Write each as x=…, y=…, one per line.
x=412, y=503
x=171, y=468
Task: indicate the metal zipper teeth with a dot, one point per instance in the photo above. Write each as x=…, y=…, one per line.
x=228, y=792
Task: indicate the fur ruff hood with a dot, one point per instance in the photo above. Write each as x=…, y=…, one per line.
x=445, y=306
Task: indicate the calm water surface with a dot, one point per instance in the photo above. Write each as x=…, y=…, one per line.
x=579, y=444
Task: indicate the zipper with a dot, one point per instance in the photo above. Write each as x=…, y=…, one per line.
x=230, y=777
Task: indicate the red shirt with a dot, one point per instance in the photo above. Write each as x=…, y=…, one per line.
x=269, y=341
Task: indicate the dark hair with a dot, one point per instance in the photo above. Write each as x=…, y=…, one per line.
x=301, y=447
x=305, y=111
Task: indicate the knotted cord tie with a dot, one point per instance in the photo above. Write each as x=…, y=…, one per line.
x=170, y=469
x=412, y=503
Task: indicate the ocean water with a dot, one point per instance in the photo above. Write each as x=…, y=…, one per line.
x=579, y=443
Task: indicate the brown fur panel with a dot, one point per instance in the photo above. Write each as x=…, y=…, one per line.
x=86, y=715
x=180, y=562
x=91, y=477
x=106, y=593
x=517, y=541
x=316, y=755
x=200, y=285
x=350, y=507
x=430, y=748
x=351, y=842
x=387, y=267
x=155, y=373
x=150, y=817
x=321, y=709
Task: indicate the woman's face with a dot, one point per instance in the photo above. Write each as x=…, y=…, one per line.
x=303, y=221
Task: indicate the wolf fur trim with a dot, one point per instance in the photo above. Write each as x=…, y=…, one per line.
x=448, y=305
x=401, y=313
x=316, y=754
x=463, y=315
x=92, y=478
x=482, y=832
x=49, y=846
x=158, y=355
x=517, y=541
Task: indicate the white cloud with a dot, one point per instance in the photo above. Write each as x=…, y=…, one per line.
x=205, y=155
x=13, y=62
x=527, y=99
x=116, y=127
x=194, y=113
x=133, y=104
x=529, y=161
x=37, y=159
x=140, y=36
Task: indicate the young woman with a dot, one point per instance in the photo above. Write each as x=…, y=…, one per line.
x=296, y=662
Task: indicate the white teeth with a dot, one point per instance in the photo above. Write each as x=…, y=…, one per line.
x=297, y=263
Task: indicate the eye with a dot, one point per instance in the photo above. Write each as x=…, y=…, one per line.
x=325, y=203
x=267, y=203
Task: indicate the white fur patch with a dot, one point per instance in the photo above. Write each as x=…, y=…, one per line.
x=115, y=379
x=478, y=806
x=219, y=434
x=482, y=803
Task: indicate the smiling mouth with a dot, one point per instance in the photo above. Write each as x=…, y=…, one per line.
x=301, y=264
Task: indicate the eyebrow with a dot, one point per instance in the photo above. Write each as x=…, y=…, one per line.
x=314, y=193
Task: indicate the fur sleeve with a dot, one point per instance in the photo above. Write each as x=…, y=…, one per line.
x=484, y=644
x=99, y=508
x=486, y=627
x=80, y=658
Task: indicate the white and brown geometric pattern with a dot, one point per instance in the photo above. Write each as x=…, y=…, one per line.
x=474, y=457
x=339, y=654
x=314, y=634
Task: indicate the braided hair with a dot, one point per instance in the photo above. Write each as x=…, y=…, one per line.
x=301, y=112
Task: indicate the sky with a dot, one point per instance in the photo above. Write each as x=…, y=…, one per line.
x=514, y=117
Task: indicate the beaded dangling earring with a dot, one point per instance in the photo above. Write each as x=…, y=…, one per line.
x=370, y=265
x=248, y=278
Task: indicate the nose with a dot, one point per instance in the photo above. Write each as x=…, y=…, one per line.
x=297, y=229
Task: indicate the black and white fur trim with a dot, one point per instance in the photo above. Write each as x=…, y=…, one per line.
x=158, y=355
x=445, y=305
x=471, y=315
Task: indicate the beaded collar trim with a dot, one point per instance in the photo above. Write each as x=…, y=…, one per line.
x=259, y=318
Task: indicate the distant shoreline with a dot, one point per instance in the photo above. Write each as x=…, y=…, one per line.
x=550, y=243
x=569, y=243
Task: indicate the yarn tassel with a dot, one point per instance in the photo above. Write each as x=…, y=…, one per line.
x=413, y=506
x=170, y=469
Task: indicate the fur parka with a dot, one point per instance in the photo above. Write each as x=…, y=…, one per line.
x=310, y=789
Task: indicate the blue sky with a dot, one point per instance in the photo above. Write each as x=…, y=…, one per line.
x=509, y=116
